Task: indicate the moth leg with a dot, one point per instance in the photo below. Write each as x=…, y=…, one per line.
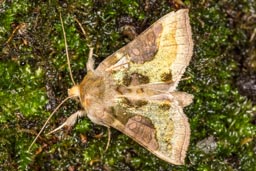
x=91, y=61
x=71, y=120
x=109, y=138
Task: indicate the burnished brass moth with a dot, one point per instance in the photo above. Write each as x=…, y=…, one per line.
x=134, y=89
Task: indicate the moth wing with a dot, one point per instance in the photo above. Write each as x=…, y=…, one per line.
x=169, y=39
x=139, y=75
x=159, y=126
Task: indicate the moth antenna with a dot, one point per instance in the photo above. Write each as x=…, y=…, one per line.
x=72, y=79
x=48, y=121
x=66, y=49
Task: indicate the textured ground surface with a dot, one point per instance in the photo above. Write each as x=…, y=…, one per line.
x=34, y=78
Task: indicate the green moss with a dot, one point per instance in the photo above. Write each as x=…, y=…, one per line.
x=9, y=13
x=32, y=74
x=18, y=92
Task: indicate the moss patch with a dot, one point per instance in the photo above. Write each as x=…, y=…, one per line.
x=34, y=78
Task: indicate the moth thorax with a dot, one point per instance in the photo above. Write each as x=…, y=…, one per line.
x=74, y=91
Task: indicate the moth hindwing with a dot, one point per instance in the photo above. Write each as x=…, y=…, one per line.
x=134, y=89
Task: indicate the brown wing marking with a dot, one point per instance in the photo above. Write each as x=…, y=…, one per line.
x=143, y=131
x=146, y=46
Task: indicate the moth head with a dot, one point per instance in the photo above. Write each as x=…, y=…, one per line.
x=74, y=91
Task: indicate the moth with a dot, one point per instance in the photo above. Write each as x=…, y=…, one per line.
x=134, y=89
